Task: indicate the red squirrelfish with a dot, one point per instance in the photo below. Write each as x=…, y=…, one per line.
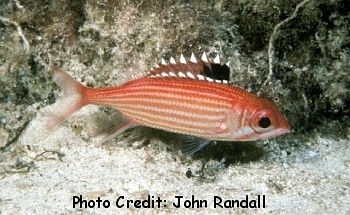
x=187, y=96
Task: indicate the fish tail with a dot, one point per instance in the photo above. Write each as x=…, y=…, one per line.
x=74, y=97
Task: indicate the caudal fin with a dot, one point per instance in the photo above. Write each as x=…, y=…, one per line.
x=72, y=99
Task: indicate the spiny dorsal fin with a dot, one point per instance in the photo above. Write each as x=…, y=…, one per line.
x=194, y=68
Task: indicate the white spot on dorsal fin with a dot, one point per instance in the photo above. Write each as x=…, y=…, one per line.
x=193, y=58
x=200, y=77
x=172, y=74
x=182, y=59
x=172, y=60
x=205, y=58
x=228, y=64
x=156, y=66
x=189, y=74
x=181, y=74
x=225, y=81
x=210, y=79
x=163, y=62
x=156, y=75
x=164, y=74
x=217, y=59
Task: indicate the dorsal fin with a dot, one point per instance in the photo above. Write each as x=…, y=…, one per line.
x=194, y=68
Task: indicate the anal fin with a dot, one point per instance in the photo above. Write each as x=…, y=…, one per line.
x=191, y=144
x=118, y=129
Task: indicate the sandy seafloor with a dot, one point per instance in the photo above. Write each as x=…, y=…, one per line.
x=316, y=185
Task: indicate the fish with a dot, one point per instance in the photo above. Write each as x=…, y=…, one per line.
x=191, y=97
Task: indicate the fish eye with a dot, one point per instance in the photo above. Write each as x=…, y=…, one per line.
x=264, y=122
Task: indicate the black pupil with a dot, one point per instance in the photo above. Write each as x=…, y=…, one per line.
x=264, y=122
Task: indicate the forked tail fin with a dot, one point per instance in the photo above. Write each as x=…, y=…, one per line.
x=72, y=100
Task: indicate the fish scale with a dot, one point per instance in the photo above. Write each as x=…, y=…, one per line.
x=180, y=98
x=194, y=109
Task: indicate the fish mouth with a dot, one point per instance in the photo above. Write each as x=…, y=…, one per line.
x=275, y=133
x=281, y=131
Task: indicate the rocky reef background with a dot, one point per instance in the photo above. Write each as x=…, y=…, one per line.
x=100, y=41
